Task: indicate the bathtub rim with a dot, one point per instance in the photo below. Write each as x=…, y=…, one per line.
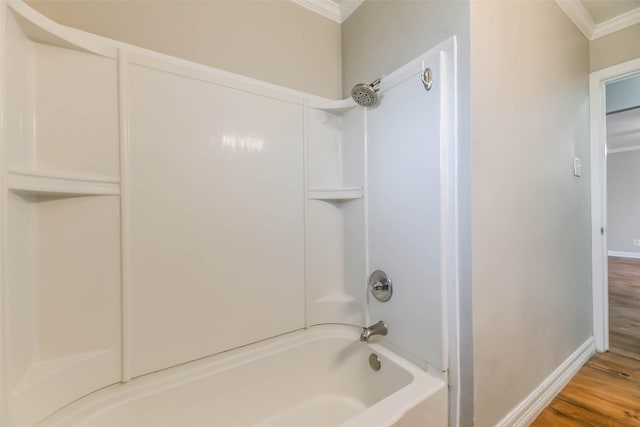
x=422, y=384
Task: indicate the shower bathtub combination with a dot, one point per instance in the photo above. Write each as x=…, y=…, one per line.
x=319, y=377
x=185, y=246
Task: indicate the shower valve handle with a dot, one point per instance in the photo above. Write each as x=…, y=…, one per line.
x=380, y=286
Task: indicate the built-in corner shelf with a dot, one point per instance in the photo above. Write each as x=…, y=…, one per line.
x=330, y=106
x=335, y=194
x=53, y=184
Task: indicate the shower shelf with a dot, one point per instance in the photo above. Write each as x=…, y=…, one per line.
x=45, y=183
x=329, y=194
x=334, y=107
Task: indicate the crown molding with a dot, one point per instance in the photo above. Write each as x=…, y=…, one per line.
x=583, y=20
x=618, y=23
x=331, y=9
x=579, y=15
x=327, y=8
x=574, y=9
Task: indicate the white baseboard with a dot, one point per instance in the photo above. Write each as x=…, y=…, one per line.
x=624, y=254
x=527, y=411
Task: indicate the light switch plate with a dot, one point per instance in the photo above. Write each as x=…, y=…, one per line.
x=577, y=166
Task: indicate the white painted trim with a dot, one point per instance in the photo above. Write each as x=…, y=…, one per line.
x=598, y=162
x=623, y=149
x=527, y=411
x=597, y=123
x=623, y=254
x=331, y=9
x=327, y=8
x=579, y=15
x=617, y=23
x=583, y=20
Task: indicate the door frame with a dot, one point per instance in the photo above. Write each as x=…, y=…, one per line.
x=598, y=159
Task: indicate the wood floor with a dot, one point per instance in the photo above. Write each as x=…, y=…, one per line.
x=624, y=306
x=606, y=391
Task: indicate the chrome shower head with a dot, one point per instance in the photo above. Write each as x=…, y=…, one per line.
x=366, y=95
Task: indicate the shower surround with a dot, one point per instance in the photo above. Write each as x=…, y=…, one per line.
x=168, y=224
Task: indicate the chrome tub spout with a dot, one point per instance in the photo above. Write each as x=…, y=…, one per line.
x=379, y=328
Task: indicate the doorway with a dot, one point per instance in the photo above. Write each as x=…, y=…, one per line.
x=606, y=238
x=622, y=102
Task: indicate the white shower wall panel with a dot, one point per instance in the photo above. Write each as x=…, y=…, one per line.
x=63, y=299
x=324, y=146
x=353, y=155
x=353, y=148
x=22, y=314
x=216, y=218
x=326, y=251
x=18, y=97
x=405, y=190
x=79, y=268
x=76, y=112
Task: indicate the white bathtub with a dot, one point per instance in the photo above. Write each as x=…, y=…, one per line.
x=314, y=378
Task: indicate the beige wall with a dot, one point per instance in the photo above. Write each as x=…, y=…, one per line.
x=531, y=229
x=615, y=48
x=276, y=41
x=381, y=36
